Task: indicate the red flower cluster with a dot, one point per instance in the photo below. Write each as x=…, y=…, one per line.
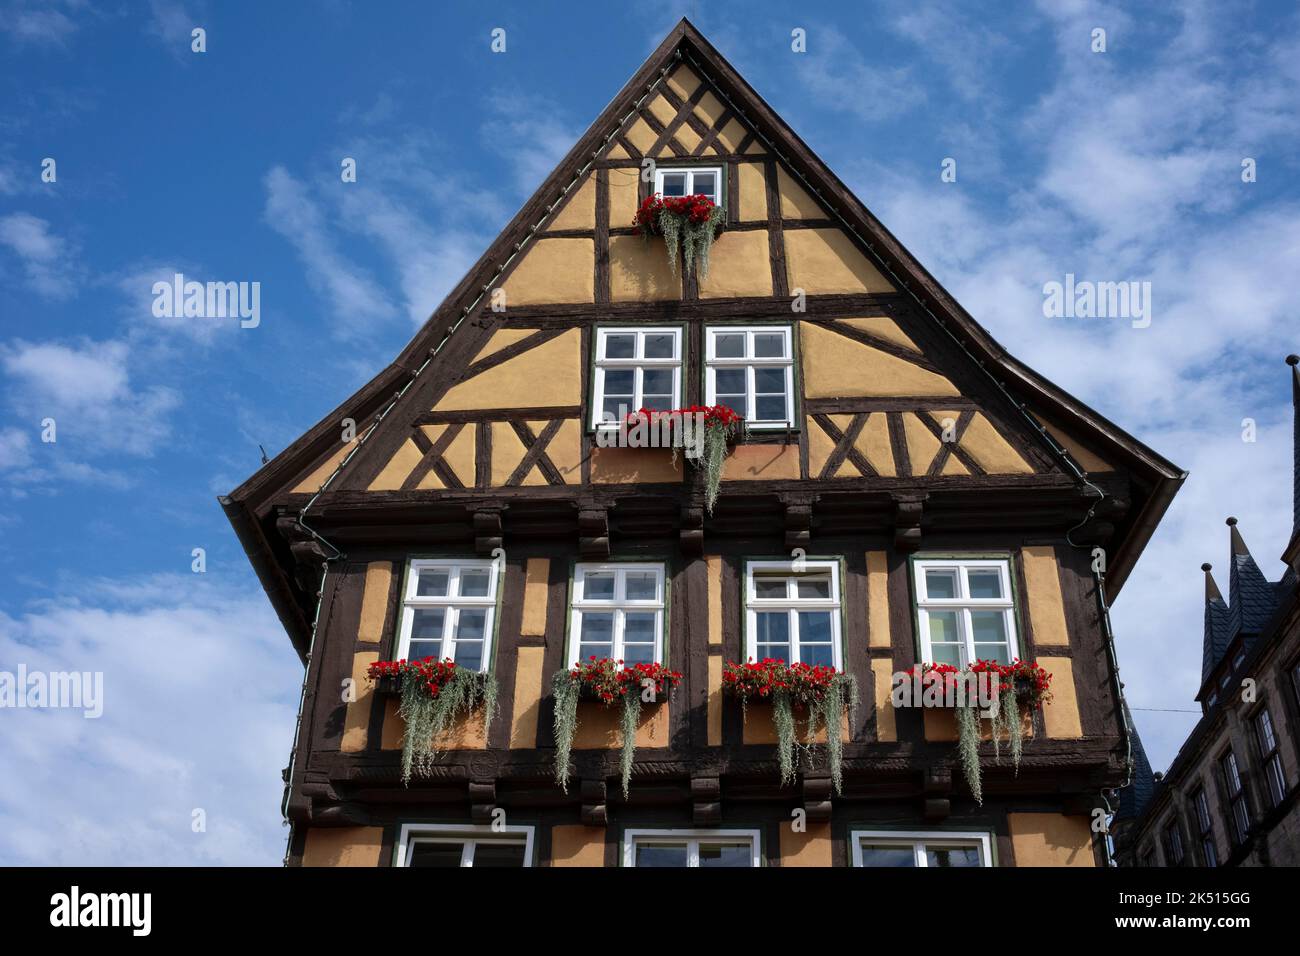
x=434, y=674
x=714, y=415
x=1026, y=678
x=697, y=208
x=608, y=680
x=806, y=683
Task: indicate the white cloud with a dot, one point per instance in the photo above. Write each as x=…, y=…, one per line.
x=87, y=389
x=37, y=24
x=199, y=686
x=840, y=77
x=524, y=129
x=46, y=258
x=353, y=297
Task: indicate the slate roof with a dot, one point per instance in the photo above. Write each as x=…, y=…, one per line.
x=1218, y=626
x=1134, y=798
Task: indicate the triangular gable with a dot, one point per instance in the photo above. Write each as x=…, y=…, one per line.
x=687, y=103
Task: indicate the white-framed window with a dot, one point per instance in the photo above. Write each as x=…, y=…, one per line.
x=966, y=611
x=635, y=368
x=793, y=615
x=449, y=611
x=920, y=848
x=672, y=181
x=751, y=371
x=617, y=612
x=448, y=845
x=702, y=848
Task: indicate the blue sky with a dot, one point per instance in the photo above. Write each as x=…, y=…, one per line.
x=1123, y=165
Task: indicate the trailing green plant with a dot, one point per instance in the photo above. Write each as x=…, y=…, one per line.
x=1016, y=689
x=611, y=683
x=824, y=693
x=720, y=425
x=968, y=748
x=690, y=223
x=433, y=695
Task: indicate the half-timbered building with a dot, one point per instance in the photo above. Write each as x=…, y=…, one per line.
x=943, y=501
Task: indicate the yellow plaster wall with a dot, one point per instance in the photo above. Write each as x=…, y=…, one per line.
x=527, y=699
x=577, y=846
x=343, y=846
x=877, y=599
x=922, y=446
x=598, y=726
x=713, y=565
x=1087, y=460
x=639, y=270
x=753, y=193
x=311, y=484
x=684, y=81
x=580, y=211
x=554, y=271
x=886, y=719
x=739, y=265
x=820, y=447
x=883, y=327
x=634, y=465
x=825, y=261
x=374, y=601
x=564, y=450
x=941, y=724
x=994, y=453
x=686, y=137
x=873, y=442
x=623, y=185
x=838, y=367
x=709, y=109
x=714, y=707
x=465, y=734
x=1050, y=839
x=1046, y=605
x=399, y=466
x=537, y=578
x=813, y=847
x=732, y=135
x=356, y=723
x=760, y=729
x=761, y=463
x=1061, y=716
x=640, y=135
x=662, y=110
x=795, y=201
x=502, y=338
x=550, y=374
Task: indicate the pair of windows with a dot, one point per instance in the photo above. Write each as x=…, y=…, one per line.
x=750, y=369
x=1266, y=739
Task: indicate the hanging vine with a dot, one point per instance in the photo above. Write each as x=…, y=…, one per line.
x=716, y=427
x=690, y=223
x=433, y=696
x=609, y=682
x=824, y=693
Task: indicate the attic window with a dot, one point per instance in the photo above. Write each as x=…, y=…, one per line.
x=690, y=181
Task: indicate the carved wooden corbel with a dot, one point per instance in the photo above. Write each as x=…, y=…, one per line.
x=691, y=535
x=907, y=521
x=488, y=531
x=483, y=800
x=594, y=813
x=706, y=801
x=817, y=799
x=308, y=555
x=593, y=533
x=937, y=788
x=798, y=525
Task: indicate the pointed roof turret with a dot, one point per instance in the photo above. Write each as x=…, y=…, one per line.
x=1218, y=625
x=1251, y=598
x=1134, y=798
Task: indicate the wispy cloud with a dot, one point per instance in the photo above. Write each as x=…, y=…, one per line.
x=47, y=260
x=38, y=23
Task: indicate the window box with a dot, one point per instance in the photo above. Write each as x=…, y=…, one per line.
x=614, y=684
x=1007, y=693
x=821, y=695
x=434, y=695
x=685, y=210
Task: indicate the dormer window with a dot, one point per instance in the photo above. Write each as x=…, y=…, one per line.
x=689, y=181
